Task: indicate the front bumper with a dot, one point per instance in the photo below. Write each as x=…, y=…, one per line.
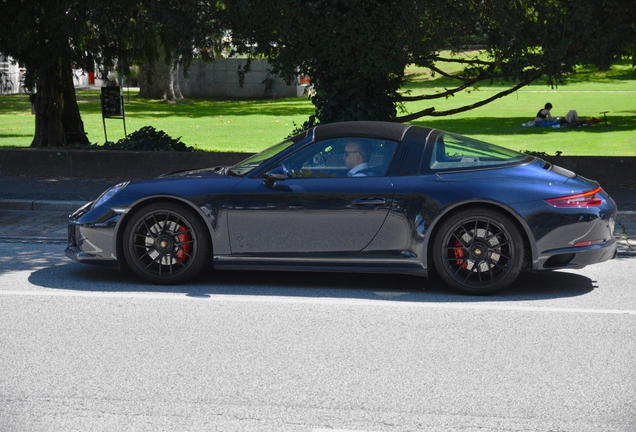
x=81, y=250
x=92, y=242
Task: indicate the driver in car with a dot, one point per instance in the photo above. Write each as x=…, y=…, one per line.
x=357, y=154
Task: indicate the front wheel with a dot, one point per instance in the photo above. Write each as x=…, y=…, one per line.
x=166, y=243
x=478, y=251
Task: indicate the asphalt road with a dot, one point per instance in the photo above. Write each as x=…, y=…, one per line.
x=88, y=349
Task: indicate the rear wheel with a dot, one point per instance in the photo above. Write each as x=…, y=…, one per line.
x=478, y=251
x=166, y=243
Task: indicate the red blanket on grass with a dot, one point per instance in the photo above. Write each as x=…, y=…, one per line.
x=581, y=123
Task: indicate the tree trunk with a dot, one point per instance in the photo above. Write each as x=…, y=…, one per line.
x=57, y=116
x=71, y=117
x=176, y=88
x=159, y=81
x=48, y=107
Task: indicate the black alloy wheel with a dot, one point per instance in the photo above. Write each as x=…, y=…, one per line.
x=166, y=243
x=478, y=251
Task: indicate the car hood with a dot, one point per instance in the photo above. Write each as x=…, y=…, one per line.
x=194, y=185
x=201, y=172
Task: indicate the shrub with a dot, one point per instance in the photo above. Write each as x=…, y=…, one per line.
x=148, y=139
x=540, y=153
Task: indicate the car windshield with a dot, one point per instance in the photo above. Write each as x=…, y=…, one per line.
x=455, y=152
x=252, y=162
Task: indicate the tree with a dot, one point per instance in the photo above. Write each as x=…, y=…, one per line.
x=43, y=36
x=355, y=51
x=163, y=36
x=189, y=30
x=160, y=80
x=50, y=37
x=352, y=50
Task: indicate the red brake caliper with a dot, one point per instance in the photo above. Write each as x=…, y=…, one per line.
x=184, y=239
x=459, y=254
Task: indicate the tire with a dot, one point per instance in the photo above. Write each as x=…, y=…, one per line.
x=166, y=243
x=478, y=251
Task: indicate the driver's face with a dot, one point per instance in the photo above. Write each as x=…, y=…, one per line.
x=352, y=156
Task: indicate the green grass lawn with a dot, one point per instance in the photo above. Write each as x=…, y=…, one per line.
x=211, y=125
x=252, y=125
x=588, y=91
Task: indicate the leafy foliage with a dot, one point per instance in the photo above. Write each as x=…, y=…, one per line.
x=355, y=51
x=50, y=37
x=540, y=153
x=127, y=32
x=148, y=139
x=352, y=50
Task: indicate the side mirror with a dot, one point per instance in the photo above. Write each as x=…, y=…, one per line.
x=274, y=175
x=270, y=179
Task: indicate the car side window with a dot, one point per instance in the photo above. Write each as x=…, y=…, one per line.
x=459, y=152
x=341, y=157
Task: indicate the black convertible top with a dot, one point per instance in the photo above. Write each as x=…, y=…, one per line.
x=369, y=129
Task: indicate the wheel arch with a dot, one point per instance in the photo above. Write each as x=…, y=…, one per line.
x=119, y=247
x=529, y=246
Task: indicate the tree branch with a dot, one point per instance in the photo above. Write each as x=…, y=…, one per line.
x=464, y=61
x=467, y=83
x=445, y=94
x=431, y=111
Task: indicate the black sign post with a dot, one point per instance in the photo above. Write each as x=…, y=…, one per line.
x=112, y=106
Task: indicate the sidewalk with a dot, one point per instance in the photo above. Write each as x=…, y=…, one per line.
x=37, y=208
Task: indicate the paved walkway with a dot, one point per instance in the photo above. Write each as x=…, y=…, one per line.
x=29, y=225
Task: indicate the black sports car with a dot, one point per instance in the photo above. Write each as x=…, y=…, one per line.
x=356, y=197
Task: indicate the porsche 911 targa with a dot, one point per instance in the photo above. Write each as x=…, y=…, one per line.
x=355, y=197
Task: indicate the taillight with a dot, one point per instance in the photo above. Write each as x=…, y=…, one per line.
x=588, y=243
x=586, y=199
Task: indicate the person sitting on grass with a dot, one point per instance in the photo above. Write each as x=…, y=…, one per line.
x=544, y=118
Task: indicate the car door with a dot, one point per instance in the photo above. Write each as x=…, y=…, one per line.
x=315, y=209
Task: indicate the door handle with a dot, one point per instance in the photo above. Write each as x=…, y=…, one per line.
x=370, y=202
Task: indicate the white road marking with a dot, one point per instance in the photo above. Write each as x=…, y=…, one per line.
x=337, y=430
x=323, y=301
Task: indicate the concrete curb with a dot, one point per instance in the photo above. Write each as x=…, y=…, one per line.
x=34, y=239
x=626, y=253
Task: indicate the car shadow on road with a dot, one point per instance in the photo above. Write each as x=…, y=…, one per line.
x=402, y=288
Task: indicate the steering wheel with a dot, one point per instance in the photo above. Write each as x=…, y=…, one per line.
x=318, y=161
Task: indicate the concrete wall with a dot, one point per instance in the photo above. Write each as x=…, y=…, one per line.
x=205, y=80
x=607, y=170
x=105, y=164
x=12, y=72
x=220, y=79
x=15, y=73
